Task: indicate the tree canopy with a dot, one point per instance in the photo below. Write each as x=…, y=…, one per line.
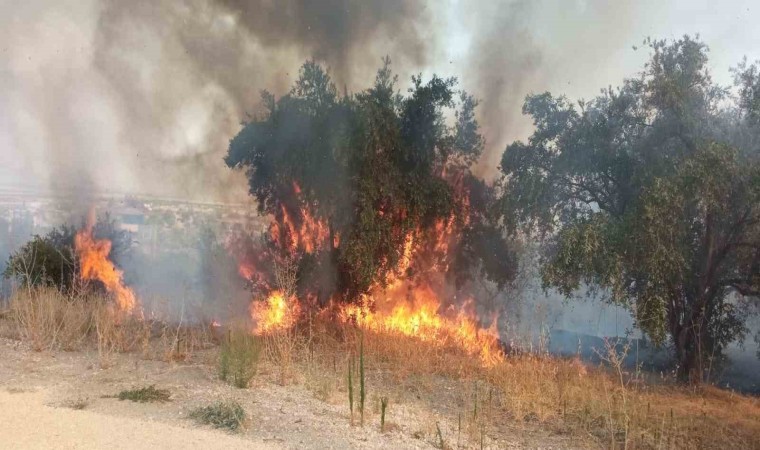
x=650, y=191
x=373, y=167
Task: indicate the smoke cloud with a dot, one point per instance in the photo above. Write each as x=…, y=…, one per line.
x=143, y=96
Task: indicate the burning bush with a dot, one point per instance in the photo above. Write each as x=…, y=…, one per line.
x=53, y=259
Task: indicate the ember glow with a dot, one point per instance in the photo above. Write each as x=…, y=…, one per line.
x=95, y=265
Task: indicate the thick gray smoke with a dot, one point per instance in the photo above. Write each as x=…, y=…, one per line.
x=143, y=96
x=348, y=35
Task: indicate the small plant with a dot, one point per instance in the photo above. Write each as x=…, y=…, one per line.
x=459, y=429
x=351, y=388
x=230, y=416
x=383, y=408
x=238, y=358
x=145, y=395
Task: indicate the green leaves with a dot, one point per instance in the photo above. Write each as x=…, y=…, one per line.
x=650, y=192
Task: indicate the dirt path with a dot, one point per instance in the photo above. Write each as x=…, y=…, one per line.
x=38, y=390
x=27, y=422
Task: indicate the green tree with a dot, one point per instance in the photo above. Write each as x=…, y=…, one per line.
x=652, y=192
x=47, y=260
x=374, y=167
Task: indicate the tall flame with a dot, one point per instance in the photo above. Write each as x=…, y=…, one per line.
x=304, y=233
x=95, y=265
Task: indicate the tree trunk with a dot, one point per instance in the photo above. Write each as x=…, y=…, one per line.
x=688, y=340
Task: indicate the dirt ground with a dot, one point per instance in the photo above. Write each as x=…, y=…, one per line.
x=26, y=421
x=38, y=391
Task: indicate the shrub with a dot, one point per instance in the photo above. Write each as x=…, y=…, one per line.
x=50, y=260
x=45, y=260
x=228, y=415
x=145, y=395
x=238, y=358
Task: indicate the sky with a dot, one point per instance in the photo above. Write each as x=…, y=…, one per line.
x=143, y=96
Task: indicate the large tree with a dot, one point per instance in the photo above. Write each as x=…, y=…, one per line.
x=650, y=191
x=371, y=167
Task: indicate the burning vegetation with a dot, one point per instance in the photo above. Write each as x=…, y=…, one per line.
x=380, y=237
x=372, y=196
x=649, y=193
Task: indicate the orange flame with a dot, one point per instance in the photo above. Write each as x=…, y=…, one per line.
x=275, y=313
x=310, y=236
x=392, y=306
x=421, y=317
x=95, y=265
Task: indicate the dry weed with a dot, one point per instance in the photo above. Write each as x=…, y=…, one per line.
x=48, y=319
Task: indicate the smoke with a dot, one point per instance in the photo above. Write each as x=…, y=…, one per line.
x=143, y=96
x=348, y=35
x=519, y=47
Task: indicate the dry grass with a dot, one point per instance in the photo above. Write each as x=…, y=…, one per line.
x=48, y=319
x=605, y=405
x=78, y=403
x=225, y=415
x=281, y=349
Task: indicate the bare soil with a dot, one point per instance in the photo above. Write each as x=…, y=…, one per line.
x=41, y=394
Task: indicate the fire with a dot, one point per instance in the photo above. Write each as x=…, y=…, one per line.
x=301, y=233
x=275, y=313
x=95, y=265
x=406, y=302
x=422, y=316
x=309, y=236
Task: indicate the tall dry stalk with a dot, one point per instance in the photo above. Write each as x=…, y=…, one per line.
x=281, y=346
x=618, y=403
